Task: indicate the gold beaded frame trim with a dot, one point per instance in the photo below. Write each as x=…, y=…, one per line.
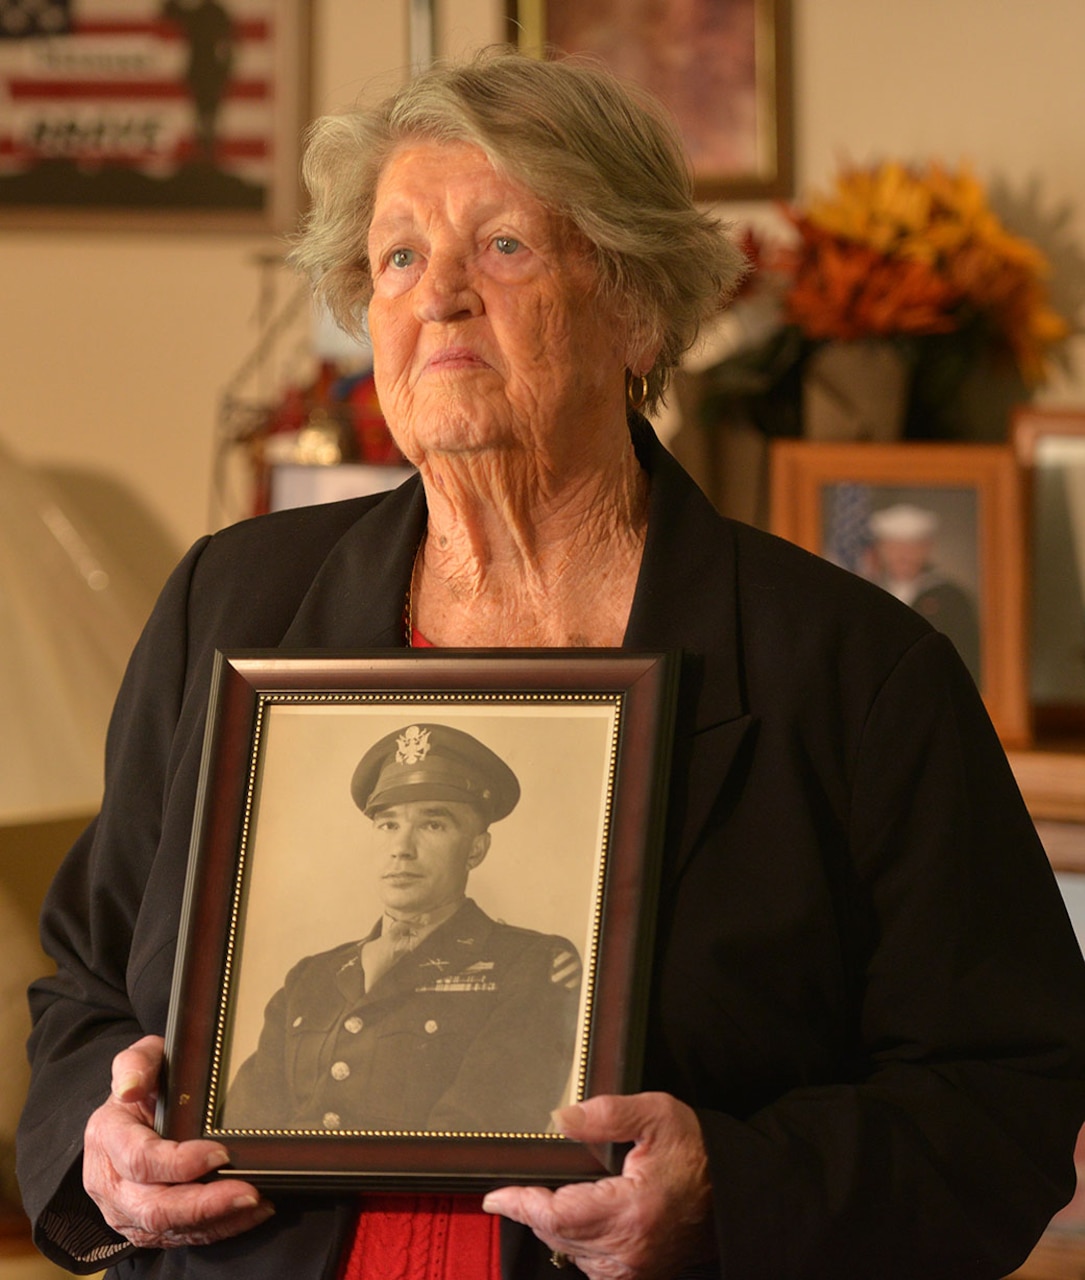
x=295, y=1036
x=398, y=709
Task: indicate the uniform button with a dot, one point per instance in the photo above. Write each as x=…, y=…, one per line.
x=340, y=1070
x=430, y=1027
x=297, y=1021
x=354, y=1025
x=331, y=1120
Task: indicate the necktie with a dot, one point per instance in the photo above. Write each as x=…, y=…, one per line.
x=402, y=936
x=397, y=937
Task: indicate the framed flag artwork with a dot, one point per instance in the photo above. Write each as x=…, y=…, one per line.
x=141, y=113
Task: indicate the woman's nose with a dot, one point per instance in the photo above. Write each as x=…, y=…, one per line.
x=445, y=291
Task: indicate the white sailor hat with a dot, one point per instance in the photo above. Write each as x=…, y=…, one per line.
x=903, y=522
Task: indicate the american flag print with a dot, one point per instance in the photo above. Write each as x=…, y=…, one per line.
x=19, y=18
x=847, y=532
x=137, y=103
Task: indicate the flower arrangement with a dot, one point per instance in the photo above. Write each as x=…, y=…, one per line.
x=912, y=257
x=895, y=250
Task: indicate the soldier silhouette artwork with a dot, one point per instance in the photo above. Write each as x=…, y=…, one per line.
x=209, y=31
x=440, y=1018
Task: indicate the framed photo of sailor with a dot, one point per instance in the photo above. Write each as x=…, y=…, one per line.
x=418, y=912
x=152, y=114
x=723, y=70
x=940, y=526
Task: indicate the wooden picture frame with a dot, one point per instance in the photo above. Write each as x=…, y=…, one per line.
x=1050, y=446
x=155, y=115
x=441, y=1072
x=723, y=69
x=965, y=501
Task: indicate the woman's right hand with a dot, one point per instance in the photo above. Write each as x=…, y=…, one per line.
x=145, y=1186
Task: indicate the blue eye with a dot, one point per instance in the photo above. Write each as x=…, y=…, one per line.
x=506, y=244
x=400, y=258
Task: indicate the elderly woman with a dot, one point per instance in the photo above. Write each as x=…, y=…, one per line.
x=866, y=1048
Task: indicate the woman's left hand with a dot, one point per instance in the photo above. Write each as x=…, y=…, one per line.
x=646, y=1224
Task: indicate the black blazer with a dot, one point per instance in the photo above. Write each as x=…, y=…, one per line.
x=865, y=980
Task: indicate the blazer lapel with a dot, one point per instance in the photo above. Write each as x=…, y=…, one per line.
x=686, y=599
x=356, y=601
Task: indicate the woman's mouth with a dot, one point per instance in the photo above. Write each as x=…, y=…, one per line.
x=455, y=358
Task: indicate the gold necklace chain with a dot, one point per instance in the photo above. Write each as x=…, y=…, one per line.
x=408, y=604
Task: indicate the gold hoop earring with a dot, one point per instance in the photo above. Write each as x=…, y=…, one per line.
x=636, y=401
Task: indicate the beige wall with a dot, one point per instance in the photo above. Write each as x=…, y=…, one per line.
x=116, y=347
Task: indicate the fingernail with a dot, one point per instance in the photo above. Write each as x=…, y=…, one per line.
x=216, y=1159
x=245, y=1202
x=131, y=1083
x=566, y=1117
x=266, y=1210
x=489, y=1204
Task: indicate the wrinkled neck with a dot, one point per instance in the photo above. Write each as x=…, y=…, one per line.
x=518, y=553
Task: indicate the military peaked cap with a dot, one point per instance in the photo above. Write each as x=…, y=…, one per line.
x=434, y=762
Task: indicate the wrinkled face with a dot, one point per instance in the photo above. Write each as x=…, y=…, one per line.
x=486, y=329
x=425, y=851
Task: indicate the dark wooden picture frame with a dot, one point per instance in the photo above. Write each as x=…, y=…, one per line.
x=271, y=879
x=153, y=114
x=973, y=491
x=723, y=67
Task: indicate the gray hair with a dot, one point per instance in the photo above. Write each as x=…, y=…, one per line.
x=592, y=149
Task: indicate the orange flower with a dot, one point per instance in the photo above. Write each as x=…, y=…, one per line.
x=899, y=250
x=841, y=289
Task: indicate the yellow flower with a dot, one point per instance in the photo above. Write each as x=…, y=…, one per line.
x=936, y=219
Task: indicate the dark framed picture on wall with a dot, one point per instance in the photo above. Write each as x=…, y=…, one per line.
x=939, y=526
x=723, y=67
x=418, y=913
x=179, y=114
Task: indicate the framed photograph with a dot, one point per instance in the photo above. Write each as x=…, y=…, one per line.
x=418, y=914
x=941, y=527
x=1050, y=445
x=176, y=114
x=723, y=67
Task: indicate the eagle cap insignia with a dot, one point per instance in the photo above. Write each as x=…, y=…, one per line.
x=412, y=745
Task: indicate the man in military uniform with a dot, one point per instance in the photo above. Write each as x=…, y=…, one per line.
x=440, y=1018
x=902, y=557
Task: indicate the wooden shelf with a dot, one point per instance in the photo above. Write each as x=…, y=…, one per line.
x=1056, y=1257
x=1052, y=780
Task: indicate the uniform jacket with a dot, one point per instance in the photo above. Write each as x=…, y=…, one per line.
x=864, y=978
x=433, y=1045
x=950, y=609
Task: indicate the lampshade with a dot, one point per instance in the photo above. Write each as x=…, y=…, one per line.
x=66, y=629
